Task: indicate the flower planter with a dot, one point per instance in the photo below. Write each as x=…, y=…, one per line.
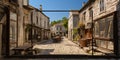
x=83, y=42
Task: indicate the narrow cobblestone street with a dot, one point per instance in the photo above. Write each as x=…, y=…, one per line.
x=63, y=47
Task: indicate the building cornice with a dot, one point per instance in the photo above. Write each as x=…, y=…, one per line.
x=39, y=11
x=87, y=4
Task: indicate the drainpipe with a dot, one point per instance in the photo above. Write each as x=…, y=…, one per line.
x=17, y=27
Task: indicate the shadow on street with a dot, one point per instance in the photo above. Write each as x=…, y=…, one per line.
x=51, y=42
x=45, y=51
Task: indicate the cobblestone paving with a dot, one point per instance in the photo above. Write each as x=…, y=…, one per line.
x=64, y=47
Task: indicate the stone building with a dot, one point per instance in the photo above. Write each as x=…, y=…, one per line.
x=27, y=21
x=41, y=21
x=103, y=14
x=72, y=23
x=15, y=18
x=45, y=25
x=58, y=29
x=8, y=27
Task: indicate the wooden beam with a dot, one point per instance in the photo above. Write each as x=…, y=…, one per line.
x=115, y=35
x=7, y=42
x=105, y=39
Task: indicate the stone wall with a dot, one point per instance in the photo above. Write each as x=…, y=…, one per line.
x=86, y=11
x=40, y=20
x=110, y=6
x=72, y=22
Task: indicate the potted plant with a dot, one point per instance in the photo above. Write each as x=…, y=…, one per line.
x=77, y=37
x=82, y=41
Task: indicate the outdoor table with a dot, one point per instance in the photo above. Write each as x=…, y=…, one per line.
x=22, y=50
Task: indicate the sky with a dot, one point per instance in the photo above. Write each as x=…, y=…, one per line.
x=57, y=5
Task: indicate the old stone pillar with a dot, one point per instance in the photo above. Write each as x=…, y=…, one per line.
x=20, y=23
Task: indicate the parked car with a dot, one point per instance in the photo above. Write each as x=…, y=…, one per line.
x=57, y=38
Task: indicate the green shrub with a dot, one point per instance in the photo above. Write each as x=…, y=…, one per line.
x=77, y=37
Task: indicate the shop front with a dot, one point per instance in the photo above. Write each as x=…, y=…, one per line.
x=104, y=33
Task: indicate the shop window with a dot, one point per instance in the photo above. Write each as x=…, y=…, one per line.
x=106, y=27
x=96, y=29
x=110, y=27
x=102, y=24
x=105, y=44
x=103, y=30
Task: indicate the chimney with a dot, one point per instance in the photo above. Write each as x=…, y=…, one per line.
x=41, y=8
x=83, y=3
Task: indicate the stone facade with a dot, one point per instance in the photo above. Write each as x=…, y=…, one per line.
x=12, y=6
x=109, y=8
x=27, y=21
x=2, y=23
x=72, y=23
x=45, y=26
x=20, y=17
x=41, y=22
x=102, y=20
